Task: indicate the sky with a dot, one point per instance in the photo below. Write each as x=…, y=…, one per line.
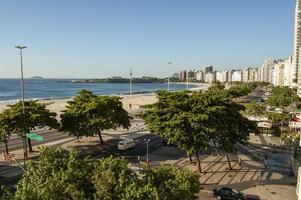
x=104, y=38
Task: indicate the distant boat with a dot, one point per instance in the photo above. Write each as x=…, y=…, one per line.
x=36, y=77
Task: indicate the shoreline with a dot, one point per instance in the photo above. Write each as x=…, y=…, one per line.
x=57, y=105
x=195, y=87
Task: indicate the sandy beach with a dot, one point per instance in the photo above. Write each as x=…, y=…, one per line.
x=57, y=105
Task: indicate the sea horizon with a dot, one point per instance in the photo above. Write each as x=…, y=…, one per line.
x=50, y=89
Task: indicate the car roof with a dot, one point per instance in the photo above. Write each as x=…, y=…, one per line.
x=125, y=141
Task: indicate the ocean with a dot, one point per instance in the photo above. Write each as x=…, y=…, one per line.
x=63, y=88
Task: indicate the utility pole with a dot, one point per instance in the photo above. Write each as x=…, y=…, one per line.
x=187, y=80
x=147, y=141
x=169, y=66
x=22, y=99
x=131, y=77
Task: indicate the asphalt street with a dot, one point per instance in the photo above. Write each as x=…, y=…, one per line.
x=10, y=175
x=49, y=136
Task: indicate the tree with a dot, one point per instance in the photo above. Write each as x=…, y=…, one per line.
x=216, y=86
x=282, y=96
x=291, y=138
x=70, y=175
x=238, y=90
x=57, y=175
x=277, y=119
x=111, y=178
x=36, y=115
x=5, y=133
x=255, y=109
x=178, y=184
x=197, y=119
x=225, y=125
x=88, y=114
x=171, y=117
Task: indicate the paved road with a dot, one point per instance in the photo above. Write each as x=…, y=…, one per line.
x=10, y=175
x=49, y=136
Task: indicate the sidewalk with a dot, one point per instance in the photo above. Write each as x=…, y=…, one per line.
x=250, y=177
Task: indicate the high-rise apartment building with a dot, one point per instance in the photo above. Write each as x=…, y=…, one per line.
x=208, y=69
x=246, y=75
x=297, y=44
x=182, y=76
x=200, y=76
x=237, y=76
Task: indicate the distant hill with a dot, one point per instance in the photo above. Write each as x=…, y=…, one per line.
x=36, y=77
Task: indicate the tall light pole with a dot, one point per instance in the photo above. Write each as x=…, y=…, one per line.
x=169, y=66
x=22, y=98
x=147, y=141
x=187, y=80
x=131, y=77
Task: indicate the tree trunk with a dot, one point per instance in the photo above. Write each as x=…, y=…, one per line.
x=189, y=157
x=6, y=147
x=29, y=145
x=100, y=138
x=229, y=162
x=216, y=149
x=198, y=162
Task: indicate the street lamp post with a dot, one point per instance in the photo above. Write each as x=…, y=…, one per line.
x=22, y=97
x=187, y=80
x=147, y=141
x=169, y=66
x=131, y=77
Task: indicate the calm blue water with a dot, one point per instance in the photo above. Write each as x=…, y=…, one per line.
x=59, y=88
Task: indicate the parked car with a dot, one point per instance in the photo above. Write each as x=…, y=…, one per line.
x=126, y=144
x=224, y=193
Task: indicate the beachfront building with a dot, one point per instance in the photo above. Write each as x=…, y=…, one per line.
x=237, y=76
x=182, y=76
x=210, y=77
x=219, y=76
x=208, y=69
x=200, y=76
x=246, y=75
x=297, y=44
x=230, y=74
x=266, y=69
x=278, y=74
x=254, y=76
x=288, y=72
x=191, y=75
x=225, y=76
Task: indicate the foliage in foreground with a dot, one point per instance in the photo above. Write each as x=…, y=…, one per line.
x=62, y=175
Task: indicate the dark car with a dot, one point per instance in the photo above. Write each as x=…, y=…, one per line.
x=228, y=194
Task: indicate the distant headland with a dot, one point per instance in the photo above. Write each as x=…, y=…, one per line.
x=36, y=77
x=120, y=80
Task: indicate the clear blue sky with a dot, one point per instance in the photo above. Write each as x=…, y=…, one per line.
x=103, y=38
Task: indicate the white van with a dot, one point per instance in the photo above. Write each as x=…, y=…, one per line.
x=126, y=144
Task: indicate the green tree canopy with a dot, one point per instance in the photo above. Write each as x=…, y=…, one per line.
x=57, y=175
x=255, y=109
x=239, y=90
x=5, y=133
x=88, y=114
x=62, y=175
x=36, y=115
x=282, y=96
x=194, y=120
x=216, y=86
